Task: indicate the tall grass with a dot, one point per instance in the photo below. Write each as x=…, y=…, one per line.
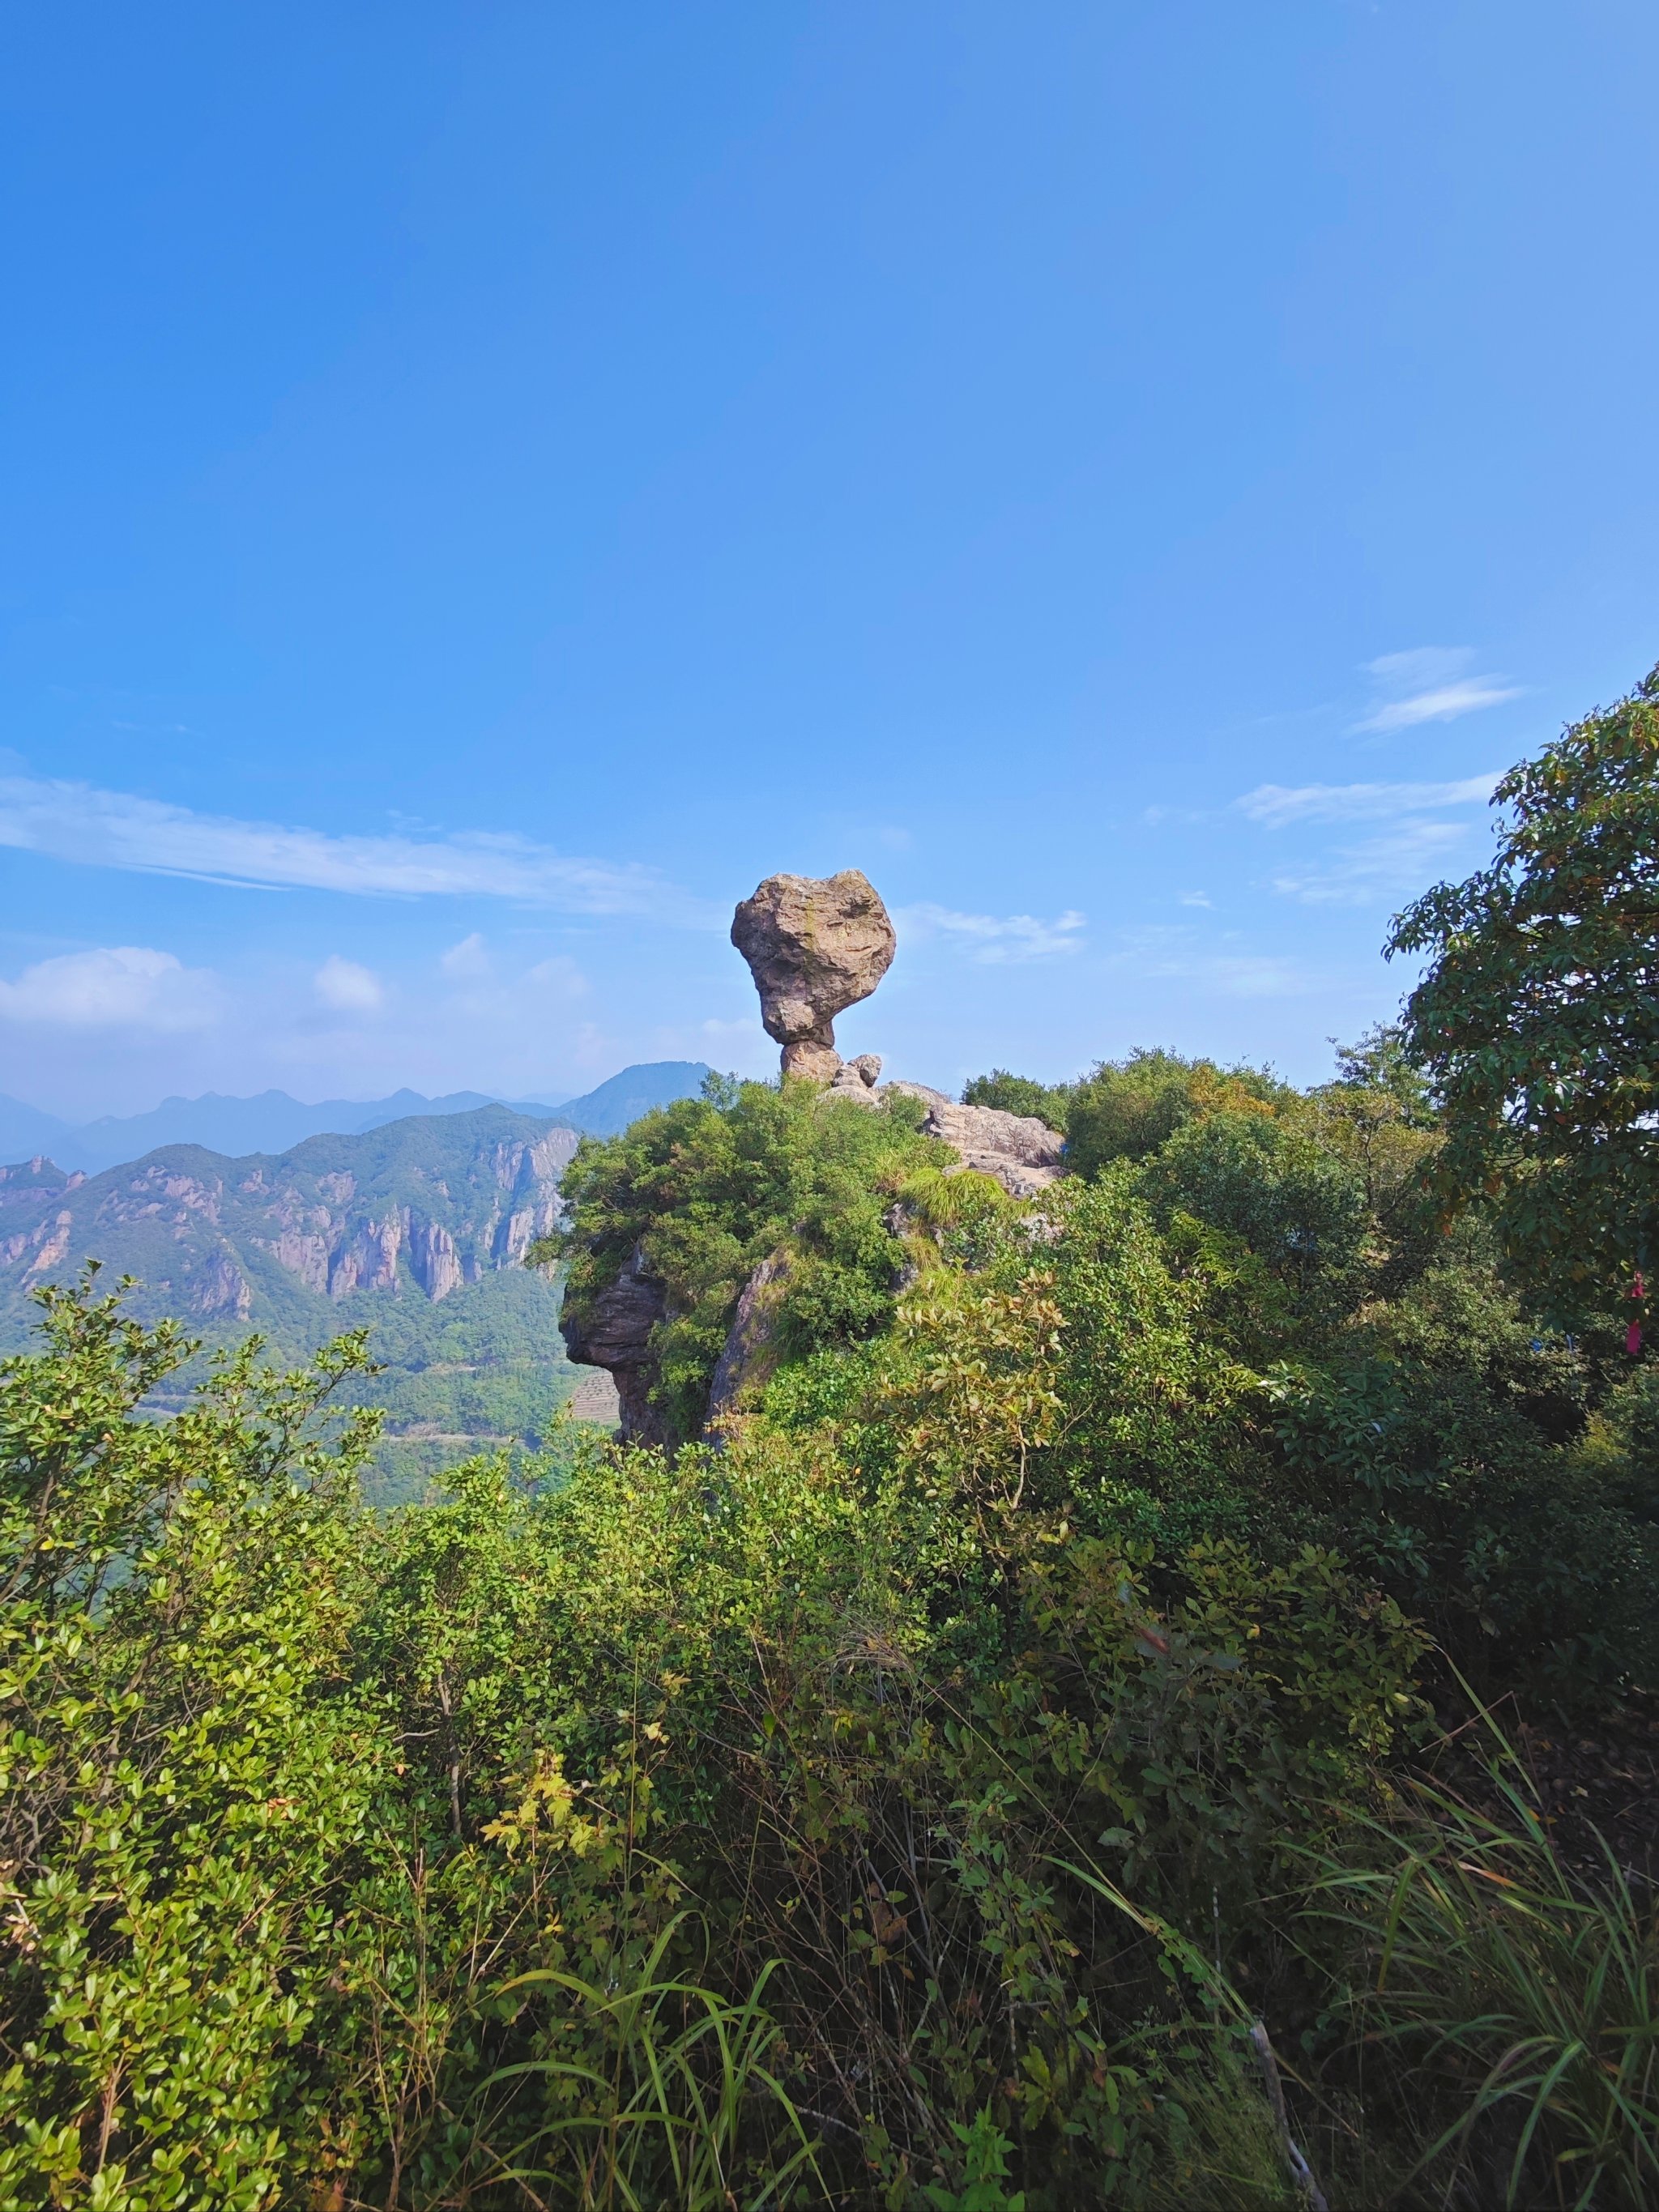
x=1519, y=2001
x=674, y=2102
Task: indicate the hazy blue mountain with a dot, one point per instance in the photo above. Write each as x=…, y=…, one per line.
x=273, y=1121
x=614, y=1104
x=415, y=1229
x=25, y=1131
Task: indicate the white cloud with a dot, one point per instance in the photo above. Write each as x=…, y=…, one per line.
x=1444, y=704
x=1397, y=862
x=1429, y=684
x=1195, y=898
x=1276, y=805
x=114, y=987
x=996, y=939
x=467, y=962
x=1420, y=667
x=484, y=999
x=114, y=829
x=347, y=988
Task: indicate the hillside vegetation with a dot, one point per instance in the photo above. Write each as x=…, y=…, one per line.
x=1141, y=1696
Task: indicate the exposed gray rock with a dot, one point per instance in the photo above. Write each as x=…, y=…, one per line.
x=747, y=1355
x=1023, y=1153
x=222, y=1287
x=614, y=1333
x=432, y=1257
x=815, y=946
x=857, y=1078
x=369, y=1261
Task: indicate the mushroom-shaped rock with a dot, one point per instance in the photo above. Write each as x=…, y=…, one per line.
x=815, y=946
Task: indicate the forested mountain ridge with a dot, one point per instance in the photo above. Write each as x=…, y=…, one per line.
x=417, y=1207
x=415, y=1229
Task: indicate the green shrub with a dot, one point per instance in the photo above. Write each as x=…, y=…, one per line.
x=1127, y=1109
x=1288, y=1200
x=707, y=1188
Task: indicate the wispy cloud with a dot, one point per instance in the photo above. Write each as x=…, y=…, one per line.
x=996, y=939
x=1393, y=867
x=1396, y=862
x=1277, y=805
x=1177, y=953
x=467, y=962
x=115, y=830
x=118, y=986
x=1429, y=684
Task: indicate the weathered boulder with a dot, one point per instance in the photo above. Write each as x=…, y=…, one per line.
x=614, y=1332
x=815, y=946
x=857, y=1078
x=1023, y=1153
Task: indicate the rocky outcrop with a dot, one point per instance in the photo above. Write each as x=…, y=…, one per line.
x=1023, y=1154
x=748, y=1354
x=614, y=1332
x=305, y=1253
x=369, y=1261
x=857, y=1078
x=221, y=1287
x=52, y=1239
x=434, y=1260
x=815, y=946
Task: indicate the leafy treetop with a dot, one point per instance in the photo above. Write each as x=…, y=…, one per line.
x=1537, y=1022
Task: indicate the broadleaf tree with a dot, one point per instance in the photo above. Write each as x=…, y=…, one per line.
x=1537, y=1019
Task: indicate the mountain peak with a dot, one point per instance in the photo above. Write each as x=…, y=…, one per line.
x=273, y=1121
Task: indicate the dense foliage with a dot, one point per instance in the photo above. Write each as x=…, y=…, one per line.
x=707, y=1188
x=941, y=1793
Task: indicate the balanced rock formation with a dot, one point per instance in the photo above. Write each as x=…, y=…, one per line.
x=815, y=946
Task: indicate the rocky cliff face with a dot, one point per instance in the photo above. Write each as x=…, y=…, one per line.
x=1022, y=1152
x=616, y=1335
x=415, y=1209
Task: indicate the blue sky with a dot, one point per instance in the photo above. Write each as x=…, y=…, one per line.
x=486, y=483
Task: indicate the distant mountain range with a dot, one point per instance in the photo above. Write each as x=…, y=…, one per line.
x=415, y=1229
x=273, y=1122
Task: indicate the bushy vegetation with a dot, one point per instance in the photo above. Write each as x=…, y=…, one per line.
x=1049, y=1746
x=919, y=1799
